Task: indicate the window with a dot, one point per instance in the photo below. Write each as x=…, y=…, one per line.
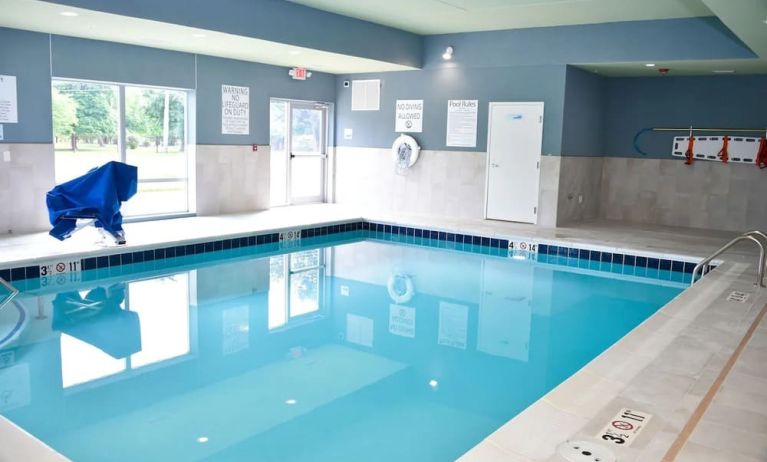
x=164, y=328
x=295, y=283
x=94, y=123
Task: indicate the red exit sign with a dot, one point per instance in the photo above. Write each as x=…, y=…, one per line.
x=298, y=73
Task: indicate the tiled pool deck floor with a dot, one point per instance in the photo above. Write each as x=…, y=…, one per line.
x=667, y=367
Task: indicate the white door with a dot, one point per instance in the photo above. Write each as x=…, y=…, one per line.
x=514, y=143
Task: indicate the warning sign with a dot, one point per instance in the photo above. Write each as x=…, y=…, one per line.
x=625, y=427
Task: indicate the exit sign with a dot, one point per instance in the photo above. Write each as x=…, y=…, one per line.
x=298, y=73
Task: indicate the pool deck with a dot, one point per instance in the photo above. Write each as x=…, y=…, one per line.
x=697, y=365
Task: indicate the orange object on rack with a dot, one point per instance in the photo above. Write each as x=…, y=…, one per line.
x=723, y=154
x=761, y=154
x=688, y=154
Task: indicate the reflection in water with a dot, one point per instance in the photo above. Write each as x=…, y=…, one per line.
x=125, y=326
x=250, y=356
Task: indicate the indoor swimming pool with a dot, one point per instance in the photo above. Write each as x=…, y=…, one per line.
x=355, y=346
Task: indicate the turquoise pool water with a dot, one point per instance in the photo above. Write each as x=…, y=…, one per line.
x=345, y=350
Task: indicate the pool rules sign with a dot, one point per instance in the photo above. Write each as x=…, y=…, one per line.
x=235, y=110
x=409, y=116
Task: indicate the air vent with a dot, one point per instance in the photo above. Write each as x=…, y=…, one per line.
x=366, y=95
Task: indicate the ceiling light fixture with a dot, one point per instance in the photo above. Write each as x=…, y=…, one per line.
x=649, y=65
x=69, y=14
x=448, y=54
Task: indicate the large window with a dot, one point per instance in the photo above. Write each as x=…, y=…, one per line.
x=94, y=123
x=295, y=287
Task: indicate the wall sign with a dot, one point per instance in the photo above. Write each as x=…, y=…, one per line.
x=409, y=116
x=235, y=110
x=462, y=122
x=8, y=101
x=625, y=427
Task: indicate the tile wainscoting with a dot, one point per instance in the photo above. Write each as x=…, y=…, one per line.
x=708, y=195
x=447, y=183
x=232, y=179
x=24, y=181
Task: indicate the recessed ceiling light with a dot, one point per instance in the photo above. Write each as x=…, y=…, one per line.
x=649, y=65
x=198, y=35
x=295, y=52
x=724, y=71
x=69, y=14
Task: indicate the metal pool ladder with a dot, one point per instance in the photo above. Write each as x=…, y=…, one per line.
x=754, y=236
x=13, y=293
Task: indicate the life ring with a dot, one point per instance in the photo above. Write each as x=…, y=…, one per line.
x=405, y=149
x=400, y=287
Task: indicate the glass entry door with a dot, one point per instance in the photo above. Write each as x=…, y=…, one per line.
x=299, y=152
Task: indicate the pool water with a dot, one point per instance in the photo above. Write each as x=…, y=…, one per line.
x=357, y=350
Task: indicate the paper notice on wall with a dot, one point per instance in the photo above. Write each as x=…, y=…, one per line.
x=453, y=325
x=235, y=110
x=462, y=122
x=409, y=116
x=8, y=102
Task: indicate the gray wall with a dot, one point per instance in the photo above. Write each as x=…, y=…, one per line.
x=713, y=101
x=25, y=55
x=375, y=129
x=583, y=121
x=265, y=81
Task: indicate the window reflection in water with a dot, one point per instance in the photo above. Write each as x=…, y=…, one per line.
x=294, y=286
x=110, y=330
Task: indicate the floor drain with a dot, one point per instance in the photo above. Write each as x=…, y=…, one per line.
x=585, y=451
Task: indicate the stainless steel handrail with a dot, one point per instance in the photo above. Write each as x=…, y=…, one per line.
x=745, y=236
x=14, y=292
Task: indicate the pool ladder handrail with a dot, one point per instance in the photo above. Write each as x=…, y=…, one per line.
x=747, y=236
x=13, y=293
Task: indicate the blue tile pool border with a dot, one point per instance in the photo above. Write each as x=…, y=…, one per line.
x=371, y=229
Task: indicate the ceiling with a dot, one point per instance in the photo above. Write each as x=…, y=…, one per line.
x=451, y=16
x=679, y=68
x=45, y=17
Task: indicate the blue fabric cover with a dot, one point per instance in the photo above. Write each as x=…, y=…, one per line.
x=97, y=194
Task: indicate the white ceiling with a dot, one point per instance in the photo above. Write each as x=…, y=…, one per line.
x=450, y=16
x=45, y=17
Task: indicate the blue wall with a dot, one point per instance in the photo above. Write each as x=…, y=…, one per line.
x=670, y=39
x=275, y=20
x=25, y=55
x=436, y=87
x=76, y=58
x=583, y=121
x=264, y=81
x=713, y=101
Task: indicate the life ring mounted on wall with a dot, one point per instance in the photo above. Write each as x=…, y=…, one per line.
x=400, y=287
x=405, y=151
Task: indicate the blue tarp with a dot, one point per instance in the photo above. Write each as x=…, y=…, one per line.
x=97, y=194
